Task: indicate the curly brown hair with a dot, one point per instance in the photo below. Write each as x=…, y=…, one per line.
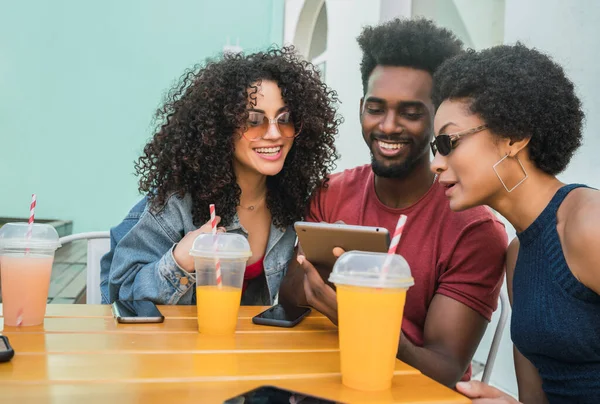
x=192, y=150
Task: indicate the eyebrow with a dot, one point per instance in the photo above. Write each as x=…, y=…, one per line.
x=443, y=128
x=285, y=107
x=401, y=104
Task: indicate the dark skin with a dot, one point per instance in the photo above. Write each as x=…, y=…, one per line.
x=397, y=110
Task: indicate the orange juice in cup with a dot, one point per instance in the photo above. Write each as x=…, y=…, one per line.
x=217, y=309
x=217, y=302
x=25, y=268
x=370, y=309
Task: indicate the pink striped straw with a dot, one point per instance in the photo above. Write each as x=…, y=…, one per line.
x=28, y=237
x=393, y=246
x=213, y=227
x=31, y=215
x=30, y=222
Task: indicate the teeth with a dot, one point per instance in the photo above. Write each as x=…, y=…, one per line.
x=390, y=146
x=268, y=150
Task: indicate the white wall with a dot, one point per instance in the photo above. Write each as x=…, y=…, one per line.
x=343, y=72
x=292, y=14
x=484, y=20
x=569, y=31
x=318, y=43
x=478, y=23
x=390, y=9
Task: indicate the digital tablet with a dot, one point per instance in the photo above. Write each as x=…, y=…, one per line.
x=319, y=239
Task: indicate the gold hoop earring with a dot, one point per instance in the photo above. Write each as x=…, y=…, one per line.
x=500, y=178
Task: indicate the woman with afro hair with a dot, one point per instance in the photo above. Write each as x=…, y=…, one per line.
x=508, y=121
x=252, y=134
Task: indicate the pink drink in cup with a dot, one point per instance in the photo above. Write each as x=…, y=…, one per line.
x=25, y=268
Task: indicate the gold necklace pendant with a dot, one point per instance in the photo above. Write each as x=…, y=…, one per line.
x=253, y=207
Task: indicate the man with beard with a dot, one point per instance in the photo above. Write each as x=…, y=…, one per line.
x=456, y=258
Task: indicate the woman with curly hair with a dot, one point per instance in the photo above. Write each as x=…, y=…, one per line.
x=253, y=134
x=508, y=121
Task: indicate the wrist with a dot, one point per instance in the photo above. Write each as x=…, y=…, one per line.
x=183, y=260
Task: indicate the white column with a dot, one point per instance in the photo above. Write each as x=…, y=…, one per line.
x=346, y=19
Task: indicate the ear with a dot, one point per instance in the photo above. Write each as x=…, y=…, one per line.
x=362, y=100
x=515, y=146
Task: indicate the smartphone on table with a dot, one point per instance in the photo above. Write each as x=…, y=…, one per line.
x=136, y=311
x=281, y=315
x=6, y=351
x=275, y=395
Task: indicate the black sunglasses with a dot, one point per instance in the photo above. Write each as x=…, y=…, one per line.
x=444, y=143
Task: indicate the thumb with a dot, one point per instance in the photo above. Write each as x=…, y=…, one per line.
x=306, y=266
x=477, y=389
x=337, y=251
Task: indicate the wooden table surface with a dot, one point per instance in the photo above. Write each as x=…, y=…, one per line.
x=81, y=354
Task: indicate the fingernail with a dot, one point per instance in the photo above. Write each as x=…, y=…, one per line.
x=464, y=385
x=300, y=259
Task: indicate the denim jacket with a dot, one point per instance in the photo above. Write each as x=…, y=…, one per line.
x=141, y=266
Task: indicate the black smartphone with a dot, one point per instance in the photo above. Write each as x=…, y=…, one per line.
x=6, y=351
x=136, y=311
x=275, y=395
x=281, y=315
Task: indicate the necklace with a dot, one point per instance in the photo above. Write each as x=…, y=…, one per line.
x=254, y=205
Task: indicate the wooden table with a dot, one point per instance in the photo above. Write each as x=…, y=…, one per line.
x=81, y=355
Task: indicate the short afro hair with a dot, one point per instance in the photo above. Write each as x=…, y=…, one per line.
x=416, y=43
x=519, y=93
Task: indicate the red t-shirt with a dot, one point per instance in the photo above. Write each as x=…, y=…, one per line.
x=457, y=254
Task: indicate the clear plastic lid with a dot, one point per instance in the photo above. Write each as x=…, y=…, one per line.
x=226, y=246
x=358, y=268
x=13, y=236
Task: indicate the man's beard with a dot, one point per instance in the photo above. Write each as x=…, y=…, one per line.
x=398, y=170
